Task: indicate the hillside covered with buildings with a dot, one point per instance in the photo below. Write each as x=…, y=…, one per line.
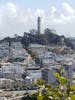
x=35, y=58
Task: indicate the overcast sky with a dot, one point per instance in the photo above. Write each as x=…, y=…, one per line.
x=18, y=16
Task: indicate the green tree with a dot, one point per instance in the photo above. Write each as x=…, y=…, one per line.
x=62, y=91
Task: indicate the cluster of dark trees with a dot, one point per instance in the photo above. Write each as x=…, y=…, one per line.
x=49, y=37
x=45, y=39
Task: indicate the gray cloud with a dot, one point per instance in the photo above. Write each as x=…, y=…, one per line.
x=13, y=19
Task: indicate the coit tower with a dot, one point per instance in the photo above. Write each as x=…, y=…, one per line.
x=38, y=25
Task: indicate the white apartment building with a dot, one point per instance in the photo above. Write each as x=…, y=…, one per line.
x=9, y=71
x=15, y=49
x=48, y=73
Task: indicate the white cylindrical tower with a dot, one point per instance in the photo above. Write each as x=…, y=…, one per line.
x=39, y=25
